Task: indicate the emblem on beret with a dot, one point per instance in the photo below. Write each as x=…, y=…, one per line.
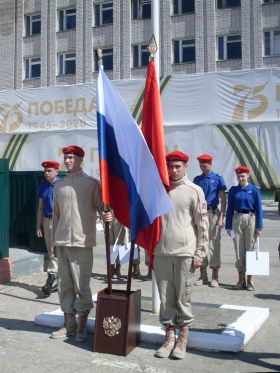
x=111, y=325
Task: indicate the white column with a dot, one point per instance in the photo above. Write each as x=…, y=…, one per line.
x=155, y=23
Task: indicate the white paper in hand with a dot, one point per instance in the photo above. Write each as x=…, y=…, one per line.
x=124, y=253
x=114, y=250
x=257, y=262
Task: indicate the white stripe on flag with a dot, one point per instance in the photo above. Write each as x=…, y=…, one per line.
x=133, y=149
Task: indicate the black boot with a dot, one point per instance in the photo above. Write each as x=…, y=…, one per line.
x=54, y=283
x=50, y=284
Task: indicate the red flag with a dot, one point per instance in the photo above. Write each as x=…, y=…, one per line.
x=152, y=128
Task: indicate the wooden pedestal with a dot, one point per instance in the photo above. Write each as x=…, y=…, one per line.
x=117, y=323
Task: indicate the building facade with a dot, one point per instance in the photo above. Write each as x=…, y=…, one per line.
x=54, y=42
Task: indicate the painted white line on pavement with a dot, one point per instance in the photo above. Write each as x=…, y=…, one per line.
x=248, y=323
x=232, y=338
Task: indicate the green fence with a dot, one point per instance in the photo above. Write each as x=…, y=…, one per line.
x=23, y=209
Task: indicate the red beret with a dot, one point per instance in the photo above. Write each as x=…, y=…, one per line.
x=50, y=164
x=74, y=150
x=177, y=156
x=242, y=170
x=205, y=158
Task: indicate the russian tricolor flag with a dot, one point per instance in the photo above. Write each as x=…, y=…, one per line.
x=130, y=181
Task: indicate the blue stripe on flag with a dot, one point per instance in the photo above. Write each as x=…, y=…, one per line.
x=108, y=150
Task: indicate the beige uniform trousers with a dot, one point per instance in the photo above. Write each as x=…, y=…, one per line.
x=74, y=272
x=52, y=260
x=214, y=240
x=243, y=226
x=175, y=278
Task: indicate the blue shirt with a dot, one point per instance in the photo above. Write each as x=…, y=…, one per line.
x=46, y=192
x=248, y=199
x=211, y=185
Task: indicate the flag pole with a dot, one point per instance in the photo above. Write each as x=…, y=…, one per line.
x=155, y=56
x=155, y=25
x=131, y=256
x=106, y=208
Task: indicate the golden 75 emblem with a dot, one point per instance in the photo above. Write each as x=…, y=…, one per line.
x=252, y=95
x=11, y=117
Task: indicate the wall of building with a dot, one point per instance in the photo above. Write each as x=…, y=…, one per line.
x=250, y=20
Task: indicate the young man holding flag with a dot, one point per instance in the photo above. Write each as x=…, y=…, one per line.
x=180, y=251
x=77, y=199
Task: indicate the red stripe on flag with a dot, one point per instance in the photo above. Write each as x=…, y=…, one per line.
x=152, y=122
x=115, y=194
x=152, y=128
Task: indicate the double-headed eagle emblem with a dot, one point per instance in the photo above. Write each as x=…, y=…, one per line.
x=111, y=325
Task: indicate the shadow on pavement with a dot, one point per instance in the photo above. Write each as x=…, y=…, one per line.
x=34, y=289
x=272, y=215
x=253, y=358
x=268, y=296
x=23, y=325
x=122, y=280
x=87, y=346
x=30, y=326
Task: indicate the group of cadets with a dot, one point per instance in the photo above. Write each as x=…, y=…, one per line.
x=243, y=219
x=190, y=239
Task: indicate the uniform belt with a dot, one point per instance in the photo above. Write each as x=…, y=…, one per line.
x=49, y=216
x=245, y=211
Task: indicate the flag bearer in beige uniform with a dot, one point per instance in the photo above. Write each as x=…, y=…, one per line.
x=180, y=251
x=77, y=198
x=213, y=186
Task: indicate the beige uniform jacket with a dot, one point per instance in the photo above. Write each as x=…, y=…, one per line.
x=185, y=229
x=77, y=198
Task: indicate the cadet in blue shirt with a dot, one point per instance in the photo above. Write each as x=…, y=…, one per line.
x=44, y=221
x=214, y=187
x=244, y=221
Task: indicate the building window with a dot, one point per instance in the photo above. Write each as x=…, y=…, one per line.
x=222, y=4
x=140, y=55
x=229, y=47
x=183, y=6
x=33, y=25
x=184, y=51
x=272, y=43
x=271, y=1
x=141, y=9
x=103, y=13
x=67, y=19
x=67, y=63
x=107, y=57
x=32, y=68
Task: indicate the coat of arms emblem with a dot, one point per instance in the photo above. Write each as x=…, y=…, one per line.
x=111, y=325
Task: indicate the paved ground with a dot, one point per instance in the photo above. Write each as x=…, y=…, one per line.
x=26, y=347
